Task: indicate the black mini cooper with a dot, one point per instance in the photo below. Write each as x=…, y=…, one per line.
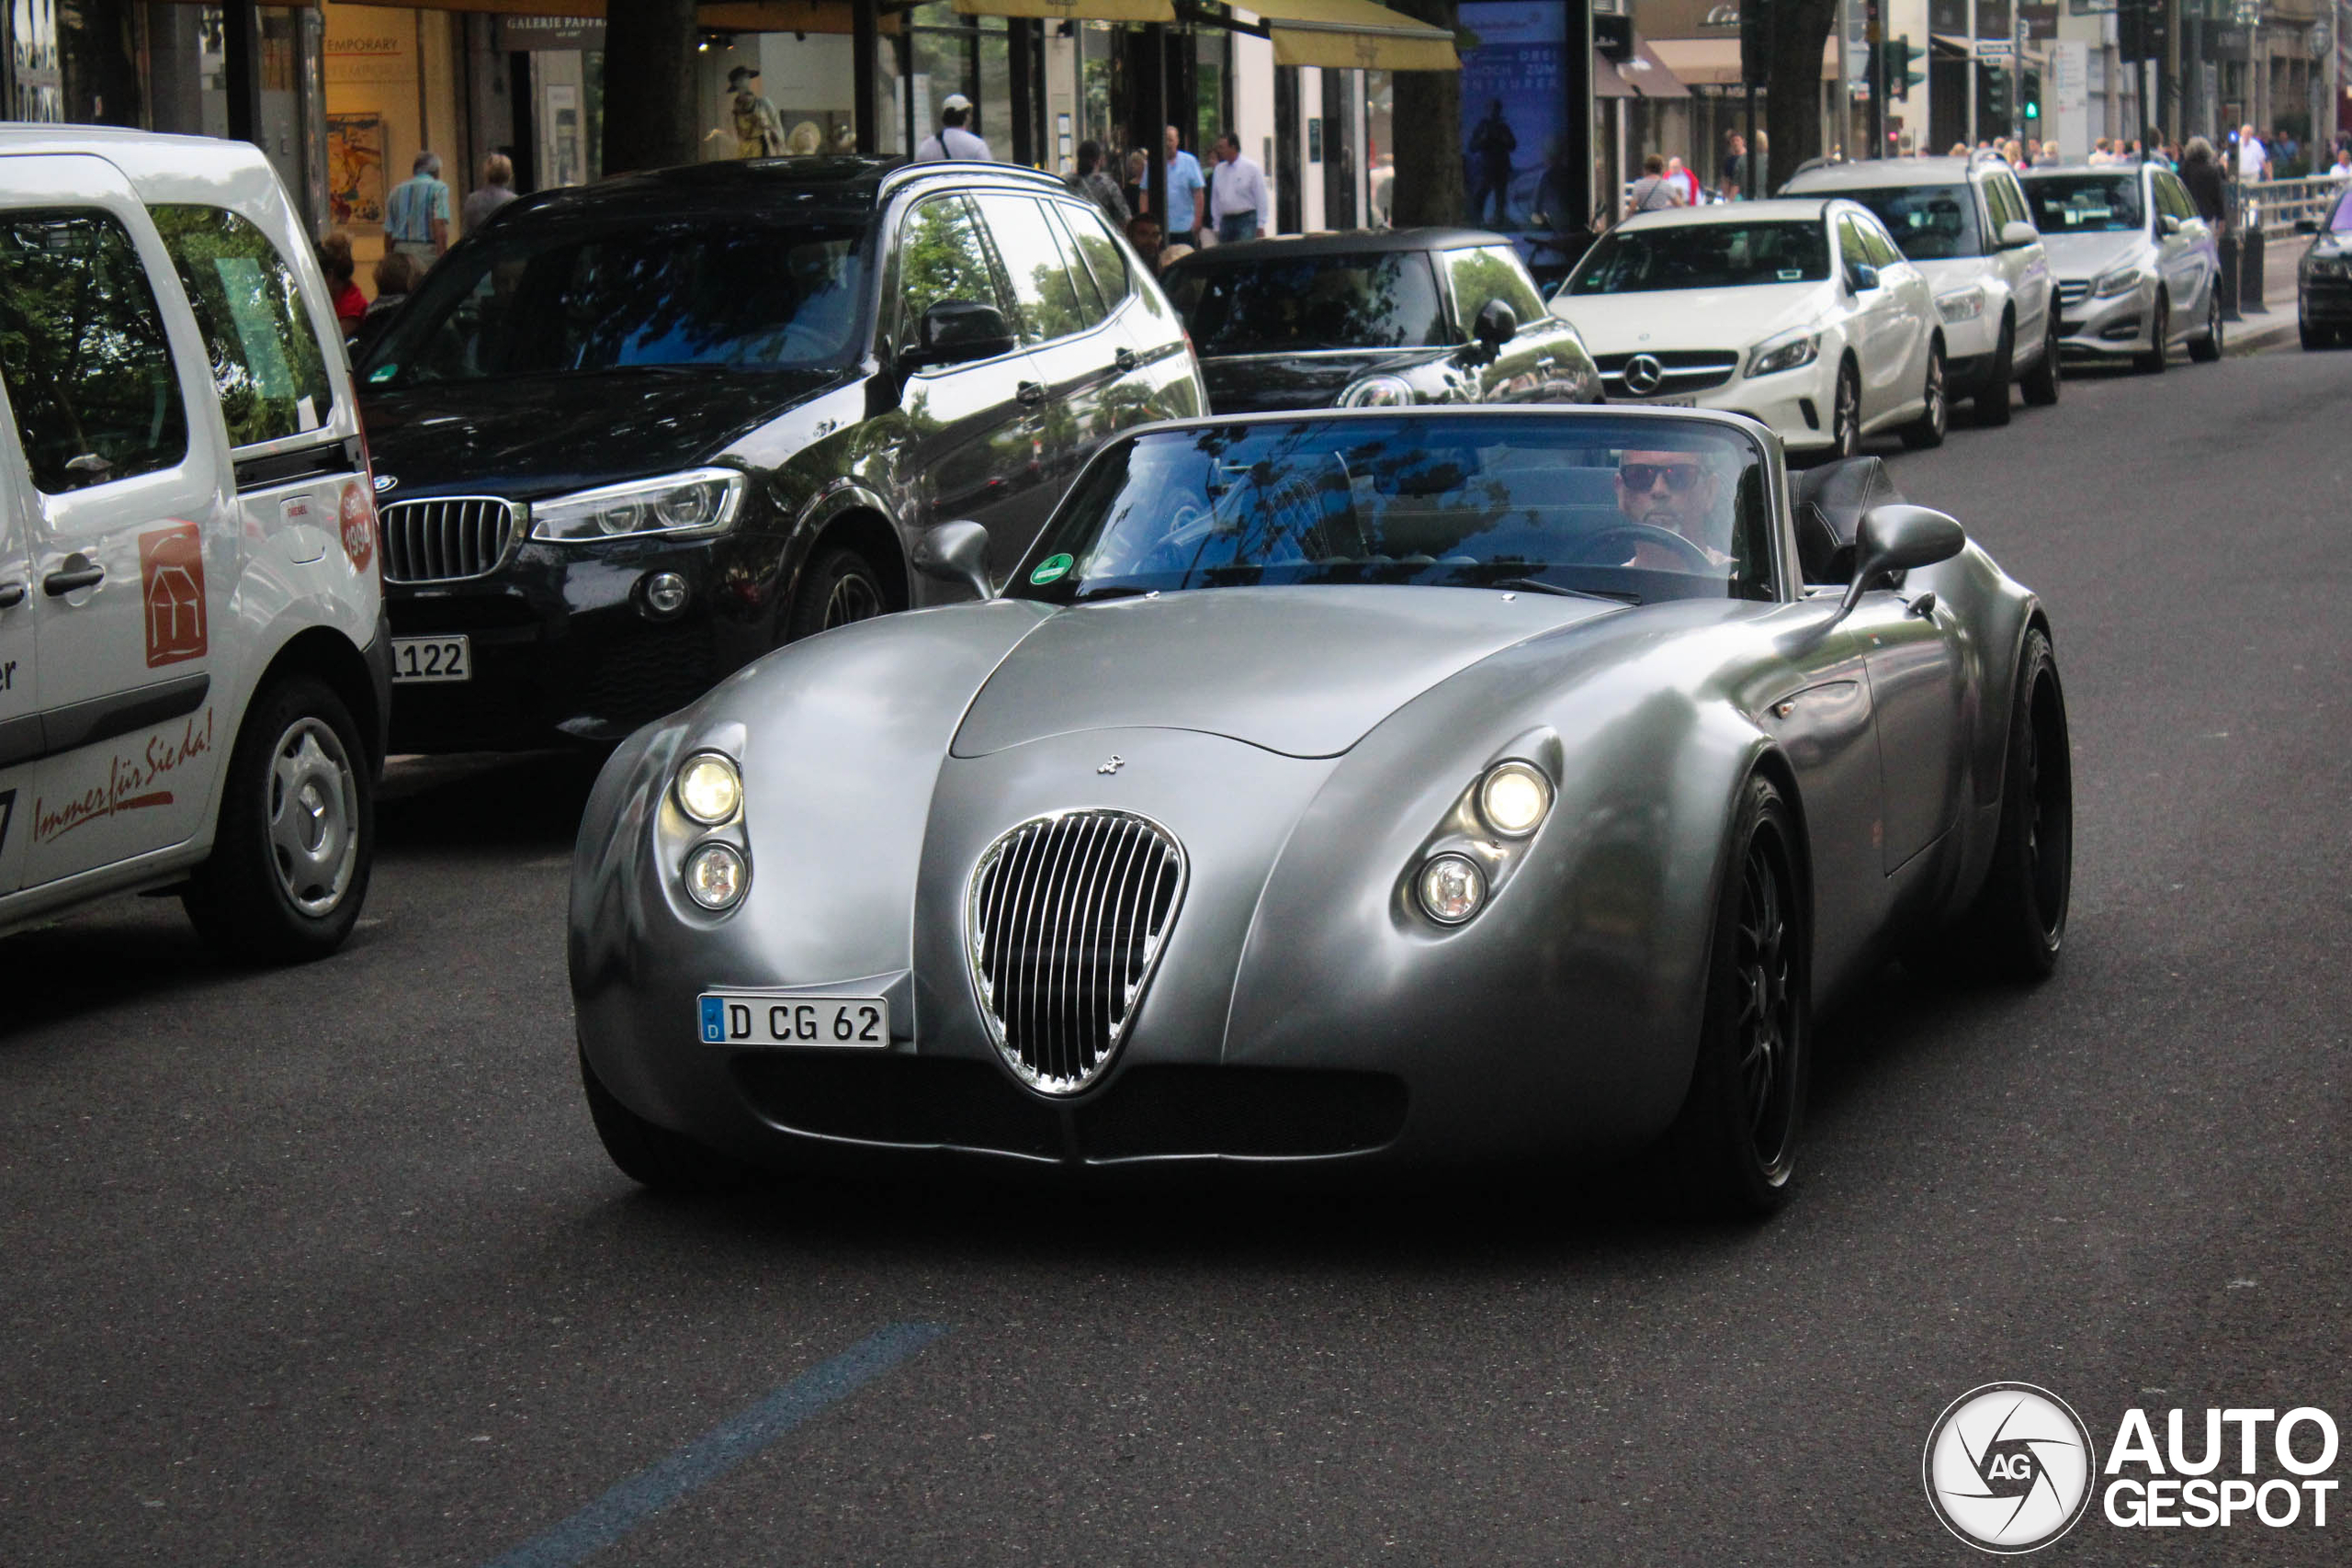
x=2324, y=276
x=627, y=437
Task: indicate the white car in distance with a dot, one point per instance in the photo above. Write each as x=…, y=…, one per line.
x=1800, y=313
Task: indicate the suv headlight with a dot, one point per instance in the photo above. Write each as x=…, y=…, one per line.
x=701, y=502
x=1378, y=392
x=1961, y=304
x=2122, y=280
x=1784, y=354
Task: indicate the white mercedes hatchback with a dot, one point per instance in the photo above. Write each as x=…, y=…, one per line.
x=194, y=671
x=1800, y=313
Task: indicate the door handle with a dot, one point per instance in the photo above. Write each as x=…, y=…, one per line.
x=1031, y=394
x=12, y=593
x=1126, y=359
x=73, y=579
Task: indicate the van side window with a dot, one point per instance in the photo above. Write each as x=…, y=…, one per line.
x=83, y=351
x=265, y=359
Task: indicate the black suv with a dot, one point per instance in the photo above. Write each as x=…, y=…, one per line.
x=627, y=437
x=1383, y=318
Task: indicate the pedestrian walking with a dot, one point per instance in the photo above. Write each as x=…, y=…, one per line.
x=1653, y=192
x=496, y=190
x=1092, y=183
x=1138, y=167
x=1188, y=193
x=1684, y=181
x=1143, y=235
x=954, y=139
x=416, y=215
x=1734, y=169
x=1492, y=141
x=2200, y=171
x=350, y=304
x=1238, y=200
x=2253, y=158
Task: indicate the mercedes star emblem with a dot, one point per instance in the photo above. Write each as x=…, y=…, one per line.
x=1644, y=375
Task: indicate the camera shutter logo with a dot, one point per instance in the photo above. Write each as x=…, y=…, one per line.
x=1644, y=375
x=2009, y=1468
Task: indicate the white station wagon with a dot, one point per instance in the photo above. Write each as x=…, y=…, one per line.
x=194, y=671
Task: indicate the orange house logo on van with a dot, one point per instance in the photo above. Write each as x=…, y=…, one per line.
x=170, y=579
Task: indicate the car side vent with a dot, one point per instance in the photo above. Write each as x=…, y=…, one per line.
x=1065, y=921
x=445, y=539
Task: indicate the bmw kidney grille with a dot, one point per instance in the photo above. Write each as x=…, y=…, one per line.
x=1066, y=917
x=445, y=540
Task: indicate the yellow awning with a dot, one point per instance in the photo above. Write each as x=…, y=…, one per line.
x=718, y=16
x=1072, y=10
x=1353, y=35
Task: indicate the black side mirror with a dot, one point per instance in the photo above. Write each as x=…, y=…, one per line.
x=1497, y=324
x=956, y=552
x=2306, y=225
x=1895, y=537
x=1861, y=278
x=955, y=330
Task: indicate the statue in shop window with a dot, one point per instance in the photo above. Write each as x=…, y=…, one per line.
x=759, y=132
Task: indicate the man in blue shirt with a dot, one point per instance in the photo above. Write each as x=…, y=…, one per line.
x=416, y=215
x=1187, y=196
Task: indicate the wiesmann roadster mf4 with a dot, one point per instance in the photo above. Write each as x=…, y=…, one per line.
x=1345, y=789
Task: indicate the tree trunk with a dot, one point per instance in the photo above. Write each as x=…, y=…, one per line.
x=1428, y=117
x=1792, y=96
x=648, y=85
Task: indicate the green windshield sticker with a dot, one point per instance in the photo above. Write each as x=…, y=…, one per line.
x=1052, y=569
x=383, y=373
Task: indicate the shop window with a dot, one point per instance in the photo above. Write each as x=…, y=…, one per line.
x=266, y=362
x=83, y=352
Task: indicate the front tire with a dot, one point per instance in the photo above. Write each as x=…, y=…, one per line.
x=1732, y=1146
x=297, y=836
x=1992, y=405
x=2017, y=923
x=839, y=587
x=2152, y=363
x=1845, y=415
x=654, y=1156
x=2207, y=347
x=1929, y=429
x=2041, y=383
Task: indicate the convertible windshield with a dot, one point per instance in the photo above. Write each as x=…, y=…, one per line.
x=1618, y=506
x=1703, y=255
x=529, y=300
x=1384, y=300
x=2085, y=204
x=1928, y=222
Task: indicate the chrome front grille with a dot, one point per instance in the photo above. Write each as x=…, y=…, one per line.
x=1063, y=922
x=445, y=539
x=2074, y=293
x=1679, y=371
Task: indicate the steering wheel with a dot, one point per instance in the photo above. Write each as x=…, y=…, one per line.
x=1590, y=551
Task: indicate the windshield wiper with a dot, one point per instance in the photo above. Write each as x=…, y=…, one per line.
x=1112, y=591
x=1537, y=585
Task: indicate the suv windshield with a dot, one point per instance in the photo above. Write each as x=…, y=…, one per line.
x=1928, y=222
x=527, y=300
x=1288, y=305
x=1617, y=506
x=2085, y=204
x=1704, y=256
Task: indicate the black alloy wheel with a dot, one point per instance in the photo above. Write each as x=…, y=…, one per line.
x=1992, y=408
x=1935, y=415
x=2207, y=347
x=840, y=587
x=1846, y=413
x=1732, y=1146
x=2152, y=363
x=2041, y=383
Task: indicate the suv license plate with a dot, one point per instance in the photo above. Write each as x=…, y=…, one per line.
x=762, y=1018
x=420, y=660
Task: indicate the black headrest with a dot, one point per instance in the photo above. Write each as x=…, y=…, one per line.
x=1830, y=501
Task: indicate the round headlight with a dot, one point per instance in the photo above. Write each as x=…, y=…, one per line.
x=709, y=790
x=1513, y=798
x=714, y=876
x=1378, y=392
x=1450, y=887
x=685, y=508
x=621, y=517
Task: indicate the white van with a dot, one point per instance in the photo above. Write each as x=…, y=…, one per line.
x=194, y=668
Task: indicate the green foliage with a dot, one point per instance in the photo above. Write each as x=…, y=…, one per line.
x=265, y=359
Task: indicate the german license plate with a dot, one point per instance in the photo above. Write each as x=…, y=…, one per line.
x=420, y=660
x=1659, y=402
x=758, y=1018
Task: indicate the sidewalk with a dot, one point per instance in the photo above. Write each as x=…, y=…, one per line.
x=2275, y=322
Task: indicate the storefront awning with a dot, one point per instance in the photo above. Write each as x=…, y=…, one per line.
x=1714, y=61
x=718, y=16
x=1642, y=77
x=1353, y=35
x=1072, y=10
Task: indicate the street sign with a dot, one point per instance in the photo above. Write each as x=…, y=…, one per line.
x=1996, y=49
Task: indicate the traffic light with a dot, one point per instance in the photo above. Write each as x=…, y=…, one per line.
x=1900, y=78
x=1613, y=36
x=1992, y=97
x=2030, y=87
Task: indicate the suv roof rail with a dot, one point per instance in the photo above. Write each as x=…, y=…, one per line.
x=1819, y=161
x=905, y=172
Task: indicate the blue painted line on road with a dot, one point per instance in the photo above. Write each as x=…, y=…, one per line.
x=720, y=1449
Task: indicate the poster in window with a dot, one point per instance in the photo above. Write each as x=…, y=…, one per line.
x=1512, y=115
x=356, y=168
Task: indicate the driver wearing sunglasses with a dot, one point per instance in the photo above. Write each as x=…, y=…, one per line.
x=1682, y=492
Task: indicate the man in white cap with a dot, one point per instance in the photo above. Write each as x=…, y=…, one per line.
x=953, y=140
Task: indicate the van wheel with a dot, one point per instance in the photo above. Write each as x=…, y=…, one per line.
x=297, y=834
x=1993, y=398
x=2041, y=383
x=840, y=586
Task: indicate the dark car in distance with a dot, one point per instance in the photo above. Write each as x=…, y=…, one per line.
x=631, y=436
x=2324, y=276
x=1386, y=318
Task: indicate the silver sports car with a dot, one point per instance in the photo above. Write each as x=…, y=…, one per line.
x=1342, y=788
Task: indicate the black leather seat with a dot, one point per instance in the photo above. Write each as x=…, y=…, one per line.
x=1830, y=501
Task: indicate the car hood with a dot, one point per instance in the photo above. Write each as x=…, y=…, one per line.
x=1692, y=318
x=1257, y=383
x=2088, y=256
x=539, y=436
x=1349, y=656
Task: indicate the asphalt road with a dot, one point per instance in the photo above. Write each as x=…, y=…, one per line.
x=327, y=1266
